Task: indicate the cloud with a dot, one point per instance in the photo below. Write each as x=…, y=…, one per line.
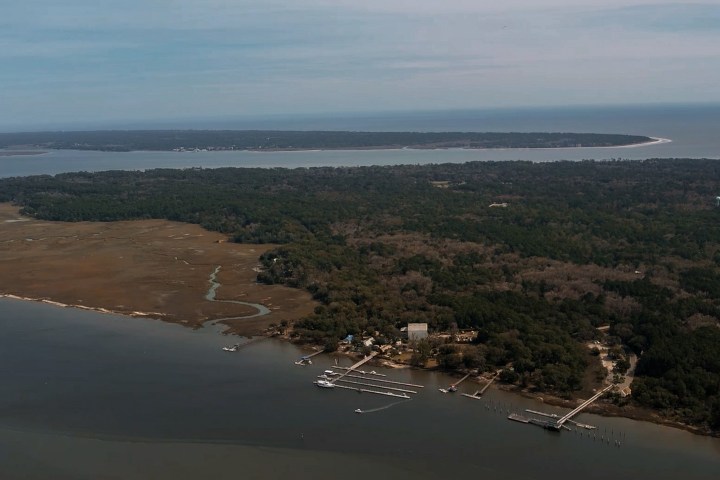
x=219, y=56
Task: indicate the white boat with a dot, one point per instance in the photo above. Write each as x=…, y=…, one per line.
x=329, y=372
x=357, y=410
x=324, y=384
x=231, y=349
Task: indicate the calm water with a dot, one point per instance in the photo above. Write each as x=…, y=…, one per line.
x=87, y=395
x=694, y=130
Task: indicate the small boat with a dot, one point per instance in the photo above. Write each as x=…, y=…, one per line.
x=357, y=410
x=329, y=372
x=324, y=384
x=232, y=349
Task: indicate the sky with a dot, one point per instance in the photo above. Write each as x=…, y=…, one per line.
x=95, y=62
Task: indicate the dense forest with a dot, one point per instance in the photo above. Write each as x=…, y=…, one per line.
x=189, y=140
x=534, y=256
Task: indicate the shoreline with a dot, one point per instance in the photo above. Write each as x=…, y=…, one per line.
x=631, y=412
x=605, y=410
x=134, y=314
x=380, y=148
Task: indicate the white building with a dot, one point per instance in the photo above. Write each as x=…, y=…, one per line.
x=417, y=331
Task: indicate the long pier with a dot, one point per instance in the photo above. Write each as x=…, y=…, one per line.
x=559, y=424
x=353, y=367
x=479, y=393
x=374, y=373
x=305, y=359
x=461, y=380
x=385, y=381
x=395, y=389
x=376, y=392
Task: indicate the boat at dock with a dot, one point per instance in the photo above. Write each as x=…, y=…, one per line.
x=324, y=384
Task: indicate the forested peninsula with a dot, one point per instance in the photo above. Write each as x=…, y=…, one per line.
x=540, y=259
x=270, y=140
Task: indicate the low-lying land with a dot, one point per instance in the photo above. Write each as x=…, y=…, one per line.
x=263, y=140
x=151, y=268
x=536, y=260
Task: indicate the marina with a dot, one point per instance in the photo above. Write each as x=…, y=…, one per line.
x=380, y=386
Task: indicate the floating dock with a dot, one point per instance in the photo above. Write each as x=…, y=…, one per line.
x=362, y=371
x=555, y=415
x=475, y=396
x=385, y=381
x=377, y=386
x=515, y=417
x=375, y=392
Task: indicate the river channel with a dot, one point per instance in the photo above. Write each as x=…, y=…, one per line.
x=91, y=395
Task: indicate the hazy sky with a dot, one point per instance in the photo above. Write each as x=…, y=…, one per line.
x=100, y=61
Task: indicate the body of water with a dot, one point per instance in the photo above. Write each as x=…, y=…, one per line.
x=694, y=131
x=88, y=395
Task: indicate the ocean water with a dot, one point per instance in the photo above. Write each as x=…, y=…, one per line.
x=693, y=129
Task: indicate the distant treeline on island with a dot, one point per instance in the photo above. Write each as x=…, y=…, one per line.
x=190, y=140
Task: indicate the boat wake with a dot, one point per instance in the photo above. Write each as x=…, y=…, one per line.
x=373, y=410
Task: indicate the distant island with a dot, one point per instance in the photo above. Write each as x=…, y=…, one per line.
x=270, y=140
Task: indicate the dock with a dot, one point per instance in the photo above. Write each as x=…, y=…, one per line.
x=374, y=373
x=559, y=422
x=479, y=393
x=380, y=386
x=382, y=380
x=306, y=359
x=376, y=392
x=555, y=415
x=353, y=367
x=518, y=418
x=453, y=387
x=579, y=408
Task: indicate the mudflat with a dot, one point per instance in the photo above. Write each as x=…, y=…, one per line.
x=152, y=268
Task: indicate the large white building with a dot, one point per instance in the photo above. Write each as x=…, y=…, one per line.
x=417, y=331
